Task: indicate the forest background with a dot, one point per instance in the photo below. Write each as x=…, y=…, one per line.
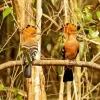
x=49, y=16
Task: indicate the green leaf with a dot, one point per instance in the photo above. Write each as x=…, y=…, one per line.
x=7, y=11
x=33, y=2
x=54, y=50
x=58, y=46
x=59, y=70
x=80, y=15
x=53, y=2
x=1, y=87
x=93, y=34
x=88, y=17
x=20, y=52
x=47, y=40
x=19, y=97
x=86, y=10
x=16, y=92
x=97, y=39
x=98, y=14
x=90, y=31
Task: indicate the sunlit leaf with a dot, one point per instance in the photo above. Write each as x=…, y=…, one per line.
x=53, y=2
x=6, y=12
x=86, y=10
x=96, y=39
x=1, y=87
x=90, y=33
x=19, y=97
x=59, y=70
x=58, y=46
x=93, y=34
x=33, y=1
x=80, y=15
x=88, y=17
x=16, y=92
x=54, y=50
x=98, y=14
x=20, y=52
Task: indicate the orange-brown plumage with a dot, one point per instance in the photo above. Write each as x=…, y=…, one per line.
x=28, y=37
x=71, y=48
x=71, y=44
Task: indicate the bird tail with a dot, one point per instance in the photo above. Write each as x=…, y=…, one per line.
x=27, y=71
x=68, y=75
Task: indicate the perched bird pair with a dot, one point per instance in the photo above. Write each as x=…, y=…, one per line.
x=70, y=49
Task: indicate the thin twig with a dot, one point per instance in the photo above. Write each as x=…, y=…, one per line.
x=8, y=39
x=91, y=90
x=20, y=92
x=46, y=16
x=8, y=2
x=2, y=8
x=97, y=43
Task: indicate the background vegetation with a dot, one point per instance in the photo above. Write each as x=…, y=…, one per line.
x=84, y=13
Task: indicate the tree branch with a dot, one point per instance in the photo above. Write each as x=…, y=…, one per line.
x=11, y=64
x=52, y=63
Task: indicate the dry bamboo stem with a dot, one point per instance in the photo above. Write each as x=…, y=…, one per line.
x=39, y=77
x=37, y=89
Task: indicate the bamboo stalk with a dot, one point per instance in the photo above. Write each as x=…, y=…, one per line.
x=39, y=77
x=61, y=90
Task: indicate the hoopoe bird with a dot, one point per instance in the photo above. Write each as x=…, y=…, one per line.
x=29, y=44
x=70, y=49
